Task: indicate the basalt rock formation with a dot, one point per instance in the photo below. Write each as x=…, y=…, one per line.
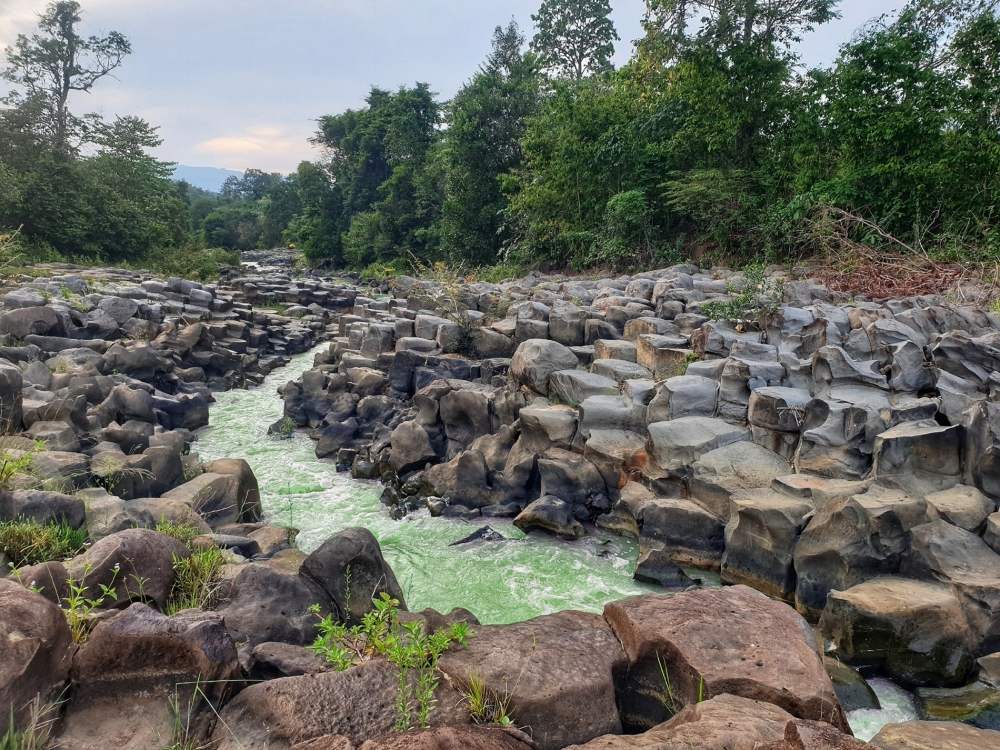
x=833, y=460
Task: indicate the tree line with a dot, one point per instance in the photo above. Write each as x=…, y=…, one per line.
x=713, y=141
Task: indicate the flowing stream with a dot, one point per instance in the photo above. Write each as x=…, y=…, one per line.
x=499, y=582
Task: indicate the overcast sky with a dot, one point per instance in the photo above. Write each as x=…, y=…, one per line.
x=239, y=83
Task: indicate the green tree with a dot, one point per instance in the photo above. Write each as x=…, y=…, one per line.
x=47, y=67
x=487, y=121
x=574, y=37
x=378, y=156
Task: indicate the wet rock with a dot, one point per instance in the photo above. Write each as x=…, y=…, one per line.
x=482, y=534
x=558, y=671
x=350, y=568
x=852, y=690
x=550, y=513
x=655, y=566
x=977, y=704
x=760, y=649
x=914, y=630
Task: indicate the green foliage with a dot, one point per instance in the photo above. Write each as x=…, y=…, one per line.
x=78, y=607
x=184, y=533
x=407, y=645
x=27, y=542
x=482, y=144
x=197, y=580
x=755, y=300
x=190, y=262
x=575, y=37
x=37, y=729
x=487, y=706
x=379, y=272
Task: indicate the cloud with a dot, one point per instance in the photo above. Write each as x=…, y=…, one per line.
x=262, y=146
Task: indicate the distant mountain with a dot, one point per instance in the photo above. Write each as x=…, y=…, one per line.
x=206, y=178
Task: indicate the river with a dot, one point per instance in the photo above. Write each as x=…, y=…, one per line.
x=499, y=582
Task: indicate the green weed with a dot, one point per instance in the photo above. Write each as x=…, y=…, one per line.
x=26, y=542
x=407, y=645
x=197, y=580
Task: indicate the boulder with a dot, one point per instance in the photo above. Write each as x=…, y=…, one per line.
x=137, y=563
x=934, y=735
x=947, y=553
x=913, y=630
x=573, y=387
x=359, y=704
x=963, y=506
x=736, y=467
x=536, y=359
x=550, y=513
x=731, y=722
x=852, y=539
x=215, y=497
x=269, y=661
x=760, y=539
x=262, y=604
x=919, y=456
x=558, y=671
x=35, y=651
x=684, y=396
x=135, y=666
x=758, y=649
x=350, y=568
x=686, y=532
x=449, y=738
x=246, y=492
x=681, y=442
x=25, y=321
x=411, y=447
x=42, y=507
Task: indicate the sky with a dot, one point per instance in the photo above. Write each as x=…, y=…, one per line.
x=240, y=83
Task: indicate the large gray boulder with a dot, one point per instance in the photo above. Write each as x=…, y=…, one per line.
x=681, y=442
x=536, y=359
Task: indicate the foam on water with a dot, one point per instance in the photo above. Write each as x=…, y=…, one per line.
x=498, y=581
x=897, y=707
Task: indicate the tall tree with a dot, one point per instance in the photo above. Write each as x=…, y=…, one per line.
x=483, y=143
x=47, y=67
x=574, y=37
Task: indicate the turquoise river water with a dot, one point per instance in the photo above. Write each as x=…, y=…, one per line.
x=499, y=582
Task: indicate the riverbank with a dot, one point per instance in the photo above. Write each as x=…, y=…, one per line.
x=573, y=407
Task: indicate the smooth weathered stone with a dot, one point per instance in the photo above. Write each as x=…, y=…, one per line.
x=707, y=655
x=558, y=670
x=914, y=630
x=681, y=442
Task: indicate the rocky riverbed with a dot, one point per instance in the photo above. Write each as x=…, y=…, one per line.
x=832, y=460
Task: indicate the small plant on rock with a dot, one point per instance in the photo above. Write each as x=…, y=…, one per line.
x=753, y=303
x=407, y=645
x=79, y=608
x=487, y=706
x=27, y=542
x=37, y=729
x=182, y=532
x=197, y=580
